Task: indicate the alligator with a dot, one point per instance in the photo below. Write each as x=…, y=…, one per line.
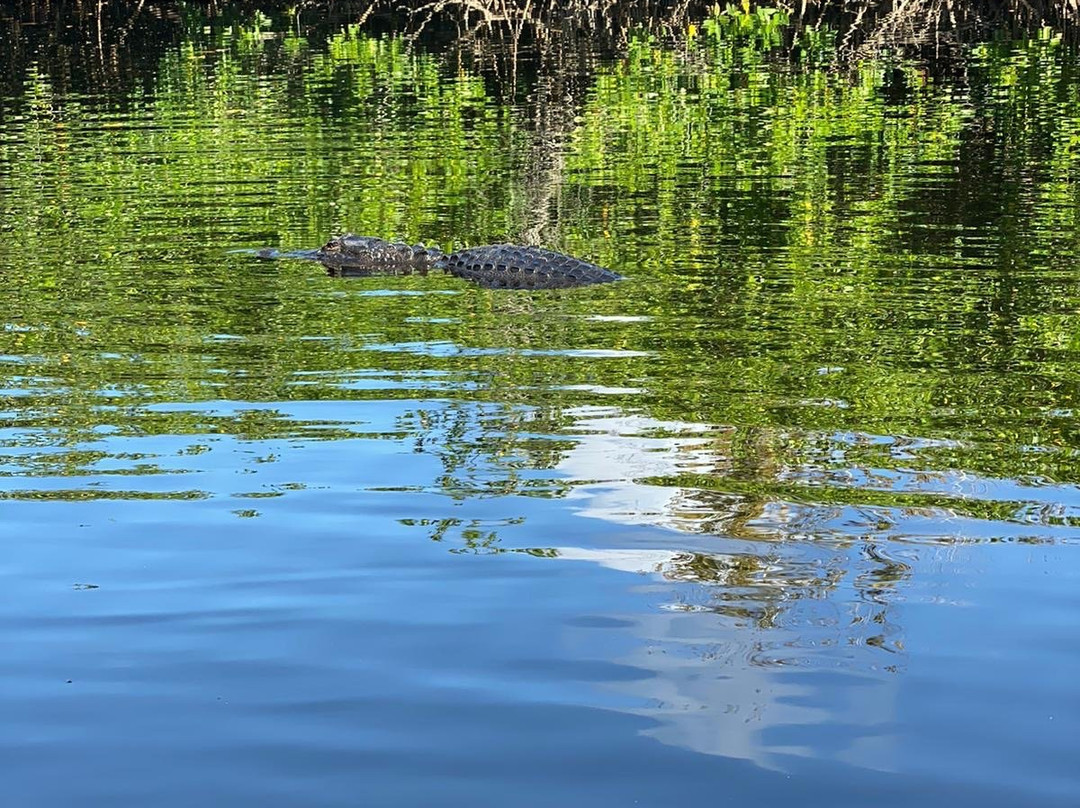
x=495, y=266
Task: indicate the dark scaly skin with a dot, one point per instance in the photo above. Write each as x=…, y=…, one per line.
x=366, y=255
x=498, y=266
x=507, y=266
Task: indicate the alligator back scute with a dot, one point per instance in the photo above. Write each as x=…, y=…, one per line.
x=508, y=266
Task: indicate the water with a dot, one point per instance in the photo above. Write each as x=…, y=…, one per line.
x=792, y=514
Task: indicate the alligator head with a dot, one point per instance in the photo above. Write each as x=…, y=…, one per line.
x=361, y=255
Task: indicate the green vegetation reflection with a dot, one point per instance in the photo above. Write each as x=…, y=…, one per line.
x=815, y=253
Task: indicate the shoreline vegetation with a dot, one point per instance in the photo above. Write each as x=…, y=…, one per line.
x=107, y=46
x=860, y=26
x=856, y=27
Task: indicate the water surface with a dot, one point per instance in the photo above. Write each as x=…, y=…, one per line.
x=791, y=514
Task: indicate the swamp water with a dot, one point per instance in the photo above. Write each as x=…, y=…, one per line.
x=791, y=514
